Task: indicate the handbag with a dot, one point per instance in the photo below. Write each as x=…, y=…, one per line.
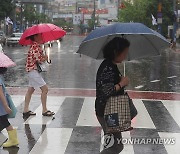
x=42, y=67
x=133, y=110
x=117, y=114
x=10, y=104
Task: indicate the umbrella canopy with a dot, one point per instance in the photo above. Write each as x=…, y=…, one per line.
x=144, y=41
x=49, y=32
x=5, y=61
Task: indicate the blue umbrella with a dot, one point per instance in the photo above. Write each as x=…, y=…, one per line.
x=144, y=41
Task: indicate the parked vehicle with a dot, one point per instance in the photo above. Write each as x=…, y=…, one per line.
x=2, y=38
x=14, y=39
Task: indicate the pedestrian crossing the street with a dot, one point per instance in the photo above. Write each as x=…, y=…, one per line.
x=75, y=129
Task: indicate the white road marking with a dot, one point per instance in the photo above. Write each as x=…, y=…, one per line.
x=170, y=77
x=153, y=81
x=53, y=140
x=87, y=116
x=139, y=87
x=140, y=121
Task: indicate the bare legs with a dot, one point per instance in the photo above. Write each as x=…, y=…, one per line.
x=28, y=98
x=44, y=92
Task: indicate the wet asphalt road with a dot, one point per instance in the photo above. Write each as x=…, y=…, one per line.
x=69, y=70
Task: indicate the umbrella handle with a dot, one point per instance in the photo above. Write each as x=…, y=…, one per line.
x=49, y=62
x=124, y=68
x=124, y=64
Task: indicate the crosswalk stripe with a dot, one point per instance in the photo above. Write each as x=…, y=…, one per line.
x=101, y=146
x=19, y=103
x=3, y=138
x=87, y=116
x=53, y=140
x=128, y=148
x=18, y=99
x=53, y=105
x=84, y=140
x=27, y=136
x=161, y=117
x=140, y=121
x=68, y=113
x=171, y=148
x=173, y=108
x=76, y=129
x=142, y=147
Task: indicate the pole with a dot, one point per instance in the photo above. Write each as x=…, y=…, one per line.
x=175, y=21
x=118, y=3
x=159, y=16
x=5, y=27
x=124, y=68
x=14, y=18
x=94, y=14
x=76, y=6
x=21, y=28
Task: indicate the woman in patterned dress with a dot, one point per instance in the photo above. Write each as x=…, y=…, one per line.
x=35, y=55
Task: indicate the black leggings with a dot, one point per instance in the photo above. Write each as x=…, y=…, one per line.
x=117, y=147
x=4, y=122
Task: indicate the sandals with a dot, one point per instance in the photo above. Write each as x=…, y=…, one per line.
x=29, y=113
x=48, y=113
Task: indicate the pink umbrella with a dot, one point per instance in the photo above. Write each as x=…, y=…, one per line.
x=49, y=32
x=5, y=61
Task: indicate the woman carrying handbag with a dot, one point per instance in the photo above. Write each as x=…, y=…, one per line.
x=110, y=93
x=34, y=58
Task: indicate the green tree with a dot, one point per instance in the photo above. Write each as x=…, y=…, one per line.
x=33, y=17
x=29, y=13
x=141, y=10
x=63, y=23
x=42, y=18
x=6, y=7
x=91, y=22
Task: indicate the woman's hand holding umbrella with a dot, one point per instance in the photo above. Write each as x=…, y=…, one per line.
x=124, y=81
x=45, y=57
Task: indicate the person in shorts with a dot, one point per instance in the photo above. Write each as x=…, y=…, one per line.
x=35, y=55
